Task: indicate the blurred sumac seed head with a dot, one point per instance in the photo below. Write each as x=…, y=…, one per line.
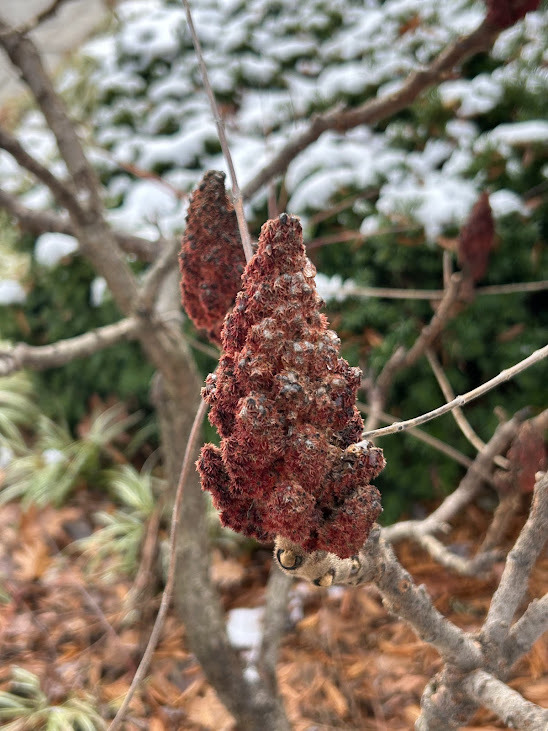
x=212, y=258
x=504, y=13
x=477, y=239
x=527, y=456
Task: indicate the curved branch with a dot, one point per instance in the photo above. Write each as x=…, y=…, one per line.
x=236, y=193
x=168, y=590
x=61, y=191
x=465, y=492
x=508, y=704
x=527, y=630
x=519, y=564
x=41, y=357
x=24, y=55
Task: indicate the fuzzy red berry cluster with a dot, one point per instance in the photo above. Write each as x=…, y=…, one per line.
x=504, y=13
x=283, y=401
x=211, y=259
x=477, y=239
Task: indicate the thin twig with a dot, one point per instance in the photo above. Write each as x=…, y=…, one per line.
x=519, y=564
x=475, y=566
x=475, y=393
x=461, y=420
x=532, y=624
x=236, y=193
x=168, y=590
x=423, y=436
x=437, y=294
x=467, y=490
x=402, y=358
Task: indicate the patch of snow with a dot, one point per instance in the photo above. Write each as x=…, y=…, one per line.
x=518, y=134
x=434, y=202
x=333, y=288
x=53, y=456
x=503, y=202
x=11, y=292
x=245, y=627
x=6, y=456
x=146, y=203
x=477, y=96
x=97, y=291
x=50, y=248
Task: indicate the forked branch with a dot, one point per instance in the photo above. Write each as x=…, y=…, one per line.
x=459, y=401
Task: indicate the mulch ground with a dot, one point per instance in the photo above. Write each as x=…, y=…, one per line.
x=344, y=663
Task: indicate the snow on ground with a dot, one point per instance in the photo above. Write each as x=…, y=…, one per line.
x=245, y=627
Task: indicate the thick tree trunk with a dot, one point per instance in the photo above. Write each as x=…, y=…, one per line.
x=252, y=701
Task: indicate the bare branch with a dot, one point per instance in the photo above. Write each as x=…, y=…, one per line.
x=423, y=436
x=168, y=590
x=437, y=294
x=275, y=620
x=379, y=108
x=526, y=631
x=41, y=357
x=508, y=704
x=61, y=191
x=514, y=288
x=519, y=563
x=155, y=275
x=476, y=566
x=427, y=335
x=458, y=415
x=465, y=492
x=506, y=509
x=475, y=393
x=236, y=194
x=377, y=562
x=402, y=358
x=42, y=16
x=24, y=56
x=39, y=222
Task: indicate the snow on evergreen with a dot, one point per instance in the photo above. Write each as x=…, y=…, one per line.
x=272, y=66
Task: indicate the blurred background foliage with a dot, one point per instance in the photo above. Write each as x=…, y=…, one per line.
x=136, y=92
